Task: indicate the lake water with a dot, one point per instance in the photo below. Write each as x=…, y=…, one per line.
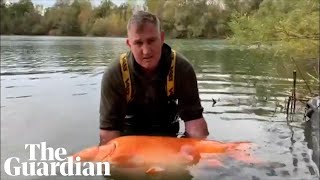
x=50, y=89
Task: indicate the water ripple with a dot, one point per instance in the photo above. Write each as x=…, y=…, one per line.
x=243, y=93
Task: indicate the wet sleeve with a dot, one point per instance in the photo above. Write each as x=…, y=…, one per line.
x=189, y=103
x=112, y=99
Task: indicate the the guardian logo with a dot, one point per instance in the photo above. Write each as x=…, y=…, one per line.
x=51, y=162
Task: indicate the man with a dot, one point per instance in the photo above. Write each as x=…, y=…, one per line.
x=149, y=110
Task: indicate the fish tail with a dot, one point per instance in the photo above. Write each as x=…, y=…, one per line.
x=242, y=151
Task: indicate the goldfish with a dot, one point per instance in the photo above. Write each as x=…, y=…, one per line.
x=157, y=153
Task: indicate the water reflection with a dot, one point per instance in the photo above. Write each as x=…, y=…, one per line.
x=139, y=174
x=50, y=90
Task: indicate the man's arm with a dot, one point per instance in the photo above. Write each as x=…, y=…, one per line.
x=196, y=128
x=112, y=104
x=107, y=135
x=189, y=103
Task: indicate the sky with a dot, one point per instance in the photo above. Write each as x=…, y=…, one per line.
x=49, y=3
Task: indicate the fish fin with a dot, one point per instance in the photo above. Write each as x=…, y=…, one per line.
x=188, y=155
x=155, y=170
x=242, y=153
x=211, y=160
x=213, y=163
x=206, y=156
x=127, y=161
x=245, y=157
x=184, y=159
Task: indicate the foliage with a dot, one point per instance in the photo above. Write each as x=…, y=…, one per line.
x=66, y=17
x=181, y=18
x=20, y=18
x=291, y=27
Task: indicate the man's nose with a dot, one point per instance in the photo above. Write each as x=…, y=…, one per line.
x=146, y=49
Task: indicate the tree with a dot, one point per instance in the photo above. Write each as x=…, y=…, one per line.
x=105, y=9
x=290, y=26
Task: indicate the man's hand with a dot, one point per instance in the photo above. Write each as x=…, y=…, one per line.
x=197, y=128
x=106, y=136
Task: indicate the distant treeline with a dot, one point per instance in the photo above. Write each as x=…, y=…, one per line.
x=181, y=18
x=293, y=23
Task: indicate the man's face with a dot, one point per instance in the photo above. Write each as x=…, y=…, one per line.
x=146, y=45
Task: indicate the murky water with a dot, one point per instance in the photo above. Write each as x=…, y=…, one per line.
x=50, y=90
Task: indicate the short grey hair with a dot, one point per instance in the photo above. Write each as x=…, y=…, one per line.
x=140, y=18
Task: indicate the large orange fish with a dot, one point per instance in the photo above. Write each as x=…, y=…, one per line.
x=157, y=153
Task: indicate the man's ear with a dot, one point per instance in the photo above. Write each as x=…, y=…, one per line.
x=128, y=43
x=162, y=37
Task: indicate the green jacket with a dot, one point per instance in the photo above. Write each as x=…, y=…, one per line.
x=150, y=111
